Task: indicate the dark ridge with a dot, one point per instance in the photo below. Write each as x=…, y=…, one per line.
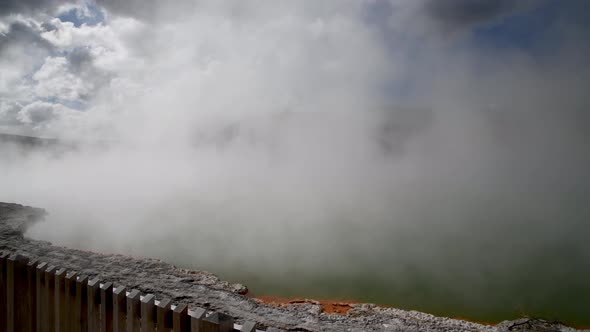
x=30, y=141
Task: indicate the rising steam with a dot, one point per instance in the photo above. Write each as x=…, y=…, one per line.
x=343, y=143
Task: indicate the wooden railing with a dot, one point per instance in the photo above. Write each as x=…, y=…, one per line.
x=35, y=296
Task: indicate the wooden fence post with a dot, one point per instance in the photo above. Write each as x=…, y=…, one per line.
x=133, y=308
x=81, y=308
x=217, y=322
x=93, y=292
x=195, y=317
x=36, y=297
x=248, y=327
x=3, y=291
x=70, y=298
x=50, y=298
x=164, y=315
x=61, y=313
x=226, y=322
x=120, y=309
x=106, y=307
x=32, y=301
x=17, y=293
x=180, y=319
x=41, y=298
x=148, y=314
x=9, y=299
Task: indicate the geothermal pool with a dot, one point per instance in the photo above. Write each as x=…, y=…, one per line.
x=445, y=261
x=458, y=280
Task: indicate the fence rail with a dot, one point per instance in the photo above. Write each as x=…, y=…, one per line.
x=37, y=297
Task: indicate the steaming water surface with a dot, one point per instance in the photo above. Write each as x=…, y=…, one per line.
x=447, y=230
x=473, y=271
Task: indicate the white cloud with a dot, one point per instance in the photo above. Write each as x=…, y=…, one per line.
x=106, y=42
x=54, y=80
x=21, y=50
x=40, y=113
x=9, y=112
x=58, y=62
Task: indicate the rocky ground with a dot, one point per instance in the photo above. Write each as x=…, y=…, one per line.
x=199, y=288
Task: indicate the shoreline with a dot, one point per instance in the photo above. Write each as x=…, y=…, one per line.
x=206, y=290
x=343, y=306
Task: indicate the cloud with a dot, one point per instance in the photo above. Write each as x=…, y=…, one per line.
x=79, y=59
x=106, y=44
x=135, y=8
x=54, y=80
x=54, y=61
x=21, y=49
x=22, y=33
x=40, y=112
x=9, y=113
x=12, y=7
x=310, y=53
x=45, y=117
x=459, y=14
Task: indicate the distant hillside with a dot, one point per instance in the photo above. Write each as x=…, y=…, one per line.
x=29, y=143
x=27, y=140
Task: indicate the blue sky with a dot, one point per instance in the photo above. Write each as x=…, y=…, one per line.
x=533, y=31
x=77, y=16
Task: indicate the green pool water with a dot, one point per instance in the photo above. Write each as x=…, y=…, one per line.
x=511, y=273
x=483, y=257
x=546, y=287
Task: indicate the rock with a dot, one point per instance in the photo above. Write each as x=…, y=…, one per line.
x=239, y=289
x=532, y=324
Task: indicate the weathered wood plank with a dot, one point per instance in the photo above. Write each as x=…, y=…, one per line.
x=17, y=295
x=61, y=313
x=249, y=327
x=217, y=322
x=3, y=291
x=32, y=301
x=180, y=319
x=70, y=298
x=81, y=307
x=93, y=293
x=41, y=298
x=133, y=311
x=195, y=317
x=164, y=315
x=10, y=286
x=148, y=313
x=120, y=309
x=50, y=300
x=106, y=307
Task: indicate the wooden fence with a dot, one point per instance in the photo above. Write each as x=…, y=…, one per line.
x=35, y=296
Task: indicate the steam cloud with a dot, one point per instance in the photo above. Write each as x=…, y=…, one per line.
x=371, y=140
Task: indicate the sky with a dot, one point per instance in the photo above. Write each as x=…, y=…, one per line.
x=445, y=138
x=70, y=66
